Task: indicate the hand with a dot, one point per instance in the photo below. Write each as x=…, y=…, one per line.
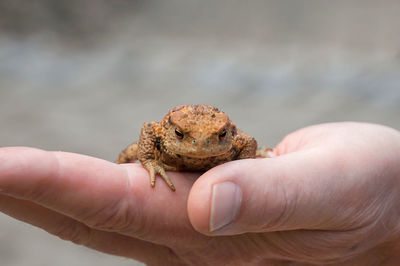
x=332, y=195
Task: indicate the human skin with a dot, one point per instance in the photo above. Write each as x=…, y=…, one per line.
x=330, y=196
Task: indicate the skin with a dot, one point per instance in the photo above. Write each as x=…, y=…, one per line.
x=331, y=196
x=189, y=138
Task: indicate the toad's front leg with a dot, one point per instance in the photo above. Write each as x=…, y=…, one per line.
x=247, y=147
x=149, y=153
x=154, y=167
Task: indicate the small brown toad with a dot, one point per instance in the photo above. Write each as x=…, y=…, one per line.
x=189, y=138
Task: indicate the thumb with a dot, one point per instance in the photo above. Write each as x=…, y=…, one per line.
x=292, y=191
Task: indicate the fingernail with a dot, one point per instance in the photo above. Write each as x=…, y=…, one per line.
x=225, y=204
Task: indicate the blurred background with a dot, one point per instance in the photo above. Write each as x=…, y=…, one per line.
x=82, y=76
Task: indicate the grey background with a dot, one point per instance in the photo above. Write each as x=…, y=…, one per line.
x=82, y=76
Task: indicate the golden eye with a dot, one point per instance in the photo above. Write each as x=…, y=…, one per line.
x=222, y=135
x=178, y=133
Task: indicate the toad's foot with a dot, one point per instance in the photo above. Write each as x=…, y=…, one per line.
x=265, y=152
x=154, y=168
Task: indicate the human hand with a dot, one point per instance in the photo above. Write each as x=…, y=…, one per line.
x=331, y=195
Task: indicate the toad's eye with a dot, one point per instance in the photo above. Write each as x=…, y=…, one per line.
x=179, y=133
x=222, y=135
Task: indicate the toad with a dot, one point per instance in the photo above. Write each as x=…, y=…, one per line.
x=189, y=138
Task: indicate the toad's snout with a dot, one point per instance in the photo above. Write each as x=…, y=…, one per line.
x=201, y=146
x=201, y=143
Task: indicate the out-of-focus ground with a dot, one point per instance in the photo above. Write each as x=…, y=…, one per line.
x=82, y=76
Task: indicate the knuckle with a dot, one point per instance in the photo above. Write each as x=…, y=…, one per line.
x=117, y=217
x=73, y=231
x=282, y=204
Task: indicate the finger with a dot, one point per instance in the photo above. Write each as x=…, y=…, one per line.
x=75, y=185
x=319, y=247
x=98, y=193
x=72, y=230
x=294, y=191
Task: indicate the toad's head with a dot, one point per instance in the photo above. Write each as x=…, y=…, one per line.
x=198, y=131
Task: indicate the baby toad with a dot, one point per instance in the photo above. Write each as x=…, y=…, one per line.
x=189, y=138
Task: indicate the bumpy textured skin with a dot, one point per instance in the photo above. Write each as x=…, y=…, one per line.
x=189, y=138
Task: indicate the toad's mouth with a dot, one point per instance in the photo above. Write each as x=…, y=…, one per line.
x=201, y=155
x=198, y=152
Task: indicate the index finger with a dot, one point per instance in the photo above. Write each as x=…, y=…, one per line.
x=96, y=192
